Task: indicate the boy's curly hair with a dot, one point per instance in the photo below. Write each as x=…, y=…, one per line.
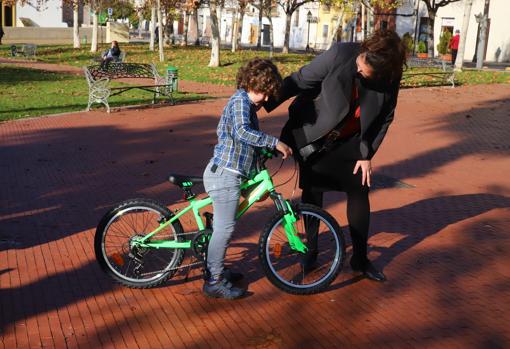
x=386, y=54
x=261, y=76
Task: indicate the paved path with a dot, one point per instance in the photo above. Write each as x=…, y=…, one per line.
x=443, y=240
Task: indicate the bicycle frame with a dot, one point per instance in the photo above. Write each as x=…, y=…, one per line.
x=263, y=184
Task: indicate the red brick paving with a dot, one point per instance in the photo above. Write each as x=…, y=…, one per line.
x=444, y=243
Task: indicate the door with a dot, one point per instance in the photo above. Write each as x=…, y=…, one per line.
x=266, y=39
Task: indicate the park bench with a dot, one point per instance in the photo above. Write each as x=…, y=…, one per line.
x=26, y=50
x=99, y=81
x=439, y=72
x=120, y=59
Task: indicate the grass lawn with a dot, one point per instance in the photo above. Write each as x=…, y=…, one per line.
x=30, y=92
x=192, y=63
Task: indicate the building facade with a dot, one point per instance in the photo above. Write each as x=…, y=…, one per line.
x=450, y=17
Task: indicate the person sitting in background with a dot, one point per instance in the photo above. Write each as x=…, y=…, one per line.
x=113, y=54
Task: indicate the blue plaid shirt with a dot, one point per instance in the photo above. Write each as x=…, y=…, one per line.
x=239, y=135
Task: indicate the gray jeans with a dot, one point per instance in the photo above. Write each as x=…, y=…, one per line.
x=223, y=188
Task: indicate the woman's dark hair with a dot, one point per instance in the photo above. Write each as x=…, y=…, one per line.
x=386, y=54
x=261, y=76
x=115, y=43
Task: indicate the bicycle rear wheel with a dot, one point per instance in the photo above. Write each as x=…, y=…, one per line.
x=303, y=273
x=124, y=260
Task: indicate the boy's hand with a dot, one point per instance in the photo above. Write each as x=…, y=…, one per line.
x=284, y=149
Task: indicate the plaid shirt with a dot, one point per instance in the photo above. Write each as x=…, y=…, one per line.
x=239, y=135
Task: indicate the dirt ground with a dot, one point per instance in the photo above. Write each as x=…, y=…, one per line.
x=439, y=228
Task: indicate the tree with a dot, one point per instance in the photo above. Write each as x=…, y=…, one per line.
x=95, y=6
x=462, y=43
x=432, y=7
x=289, y=6
x=350, y=7
x=238, y=27
x=76, y=24
x=215, y=29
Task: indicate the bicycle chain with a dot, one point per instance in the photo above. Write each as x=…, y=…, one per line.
x=179, y=267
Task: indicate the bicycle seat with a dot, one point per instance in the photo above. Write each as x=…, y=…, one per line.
x=183, y=180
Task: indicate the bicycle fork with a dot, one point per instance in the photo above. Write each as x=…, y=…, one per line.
x=289, y=220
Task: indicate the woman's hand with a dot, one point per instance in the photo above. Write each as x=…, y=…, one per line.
x=284, y=149
x=366, y=171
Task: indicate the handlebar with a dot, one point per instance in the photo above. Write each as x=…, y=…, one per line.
x=264, y=155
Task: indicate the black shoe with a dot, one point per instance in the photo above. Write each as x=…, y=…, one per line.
x=369, y=270
x=309, y=261
x=232, y=276
x=221, y=288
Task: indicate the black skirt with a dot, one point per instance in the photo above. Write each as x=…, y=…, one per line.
x=332, y=170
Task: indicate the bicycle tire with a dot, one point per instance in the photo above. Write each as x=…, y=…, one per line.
x=117, y=263
x=302, y=281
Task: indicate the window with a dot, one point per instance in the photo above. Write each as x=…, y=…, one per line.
x=296, y=18
x=326, y=8
x=325, y=29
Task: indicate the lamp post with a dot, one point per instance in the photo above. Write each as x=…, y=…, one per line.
x=309, y=19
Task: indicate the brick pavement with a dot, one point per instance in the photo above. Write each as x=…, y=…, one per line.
x=443, y=242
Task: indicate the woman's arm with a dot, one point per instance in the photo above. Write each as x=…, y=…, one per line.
x=379, y=129
x=308, y=77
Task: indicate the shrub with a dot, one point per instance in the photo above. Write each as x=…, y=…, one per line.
x=422, y=48
x=444, y=41
x=408, y=41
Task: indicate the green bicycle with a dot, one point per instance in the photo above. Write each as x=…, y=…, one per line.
x=141, y=243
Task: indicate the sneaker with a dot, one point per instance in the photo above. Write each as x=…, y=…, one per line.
x=221, y=288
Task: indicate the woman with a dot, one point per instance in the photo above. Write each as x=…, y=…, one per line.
x=345, y=102
x=113, y=54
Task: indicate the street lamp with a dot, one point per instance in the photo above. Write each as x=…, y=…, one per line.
x=309, y=19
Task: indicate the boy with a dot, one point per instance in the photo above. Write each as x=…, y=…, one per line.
x=234, y=160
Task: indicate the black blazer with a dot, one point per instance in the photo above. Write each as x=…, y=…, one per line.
x=324, y=89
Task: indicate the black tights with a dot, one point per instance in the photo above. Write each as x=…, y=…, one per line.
x=358, y=215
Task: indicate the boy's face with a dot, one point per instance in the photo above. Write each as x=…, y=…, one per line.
x=257, y=98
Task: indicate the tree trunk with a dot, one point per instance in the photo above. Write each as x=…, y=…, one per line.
x=93, y=45
x=462, y=43
x=140, y=21
x=271, y=37
x=160, y=33
x=152, y=27
x=259, y=36
x=76, y=25
x=430, y=44
x=286, y=41
x=197, y=40
x=186, y=26
x=240, y=26
x=235, y=23
x=335, y=31
x=215, y=42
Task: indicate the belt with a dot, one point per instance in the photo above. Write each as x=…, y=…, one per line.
x=215, y=168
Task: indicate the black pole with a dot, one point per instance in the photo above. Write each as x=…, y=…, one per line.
x=308, y=38
x=416, y=26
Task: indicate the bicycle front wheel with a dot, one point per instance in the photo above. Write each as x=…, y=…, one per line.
x=303, y=273
x=126, y=261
